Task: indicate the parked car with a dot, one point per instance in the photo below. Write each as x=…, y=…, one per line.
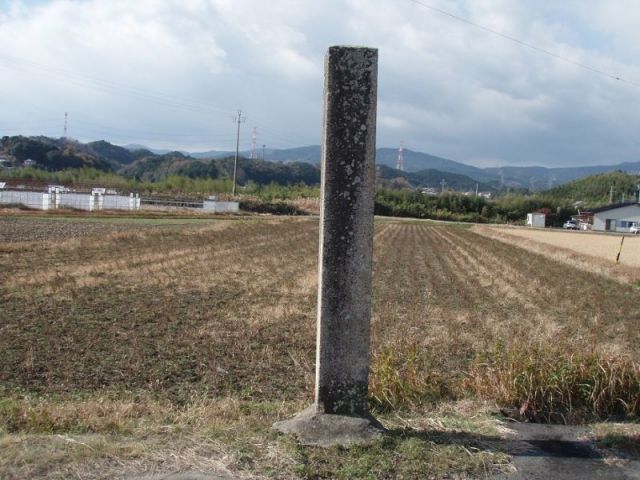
x=570, y=225
x=635, y=229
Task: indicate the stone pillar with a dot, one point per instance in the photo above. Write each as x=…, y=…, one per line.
x=340, y=414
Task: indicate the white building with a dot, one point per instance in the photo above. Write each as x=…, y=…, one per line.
x=121, y=202
x=215, y=206
x=536, y=220
x=619, y=217
x=37, y=200
x=79, y=201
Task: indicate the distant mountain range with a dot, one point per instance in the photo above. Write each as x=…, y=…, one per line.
x=420, y=169
x=534, y=178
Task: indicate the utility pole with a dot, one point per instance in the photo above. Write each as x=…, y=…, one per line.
x=611, y=195
x=443, y=183
x=66, y=118
x=263, y=147
x=238, y=120
x=476, y=189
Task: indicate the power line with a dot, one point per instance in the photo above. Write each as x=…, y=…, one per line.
x=69, y=76
x=525, y=44
x=84, y=128
x=153, y=133
x=284, y=140
x=75, y=78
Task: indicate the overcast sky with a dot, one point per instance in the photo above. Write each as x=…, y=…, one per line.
x=172, y=74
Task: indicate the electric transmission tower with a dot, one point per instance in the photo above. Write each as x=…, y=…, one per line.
x=254, y=137
x=237, y=120
x=400, y=164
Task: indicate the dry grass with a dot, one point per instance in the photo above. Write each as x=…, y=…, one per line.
x=469, y=293
x=194, y=339
x=595, y=253
x=552, y=384
x=148, y=435
x=104, y=437
x=618, y=439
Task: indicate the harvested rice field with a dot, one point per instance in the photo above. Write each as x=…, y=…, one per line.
x=175, y=348
x=592, y=252
x=603, y=246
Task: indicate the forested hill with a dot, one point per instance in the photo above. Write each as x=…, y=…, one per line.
x=595, y=190
x=54, y=155
x=431, y=178
x=60, y=154
x=51, y=154
x=142, y=164
x=157, y=167
x=534, y=178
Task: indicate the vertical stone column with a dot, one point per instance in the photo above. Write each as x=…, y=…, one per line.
x=346, y=231
x=340, y=414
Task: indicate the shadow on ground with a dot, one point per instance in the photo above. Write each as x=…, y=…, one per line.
x=540, y=451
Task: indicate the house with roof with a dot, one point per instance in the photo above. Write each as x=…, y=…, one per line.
x=619, y=217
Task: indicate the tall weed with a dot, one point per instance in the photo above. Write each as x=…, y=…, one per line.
x=402, y=376
x=550, y=383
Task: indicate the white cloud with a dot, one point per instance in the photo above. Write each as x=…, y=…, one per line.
x=172, y=73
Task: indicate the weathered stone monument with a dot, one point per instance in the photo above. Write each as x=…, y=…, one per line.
x=340, y=413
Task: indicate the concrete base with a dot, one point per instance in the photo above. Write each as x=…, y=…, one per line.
x=319, y=429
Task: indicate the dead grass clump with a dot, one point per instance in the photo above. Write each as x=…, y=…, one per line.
x=309, y=205
x=550, y=383
x=402, y=376
x=96, y=415
x=130, y=414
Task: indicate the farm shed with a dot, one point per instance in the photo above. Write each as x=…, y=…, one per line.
x=537, y=220
x=215, y=206
x=618, y=217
